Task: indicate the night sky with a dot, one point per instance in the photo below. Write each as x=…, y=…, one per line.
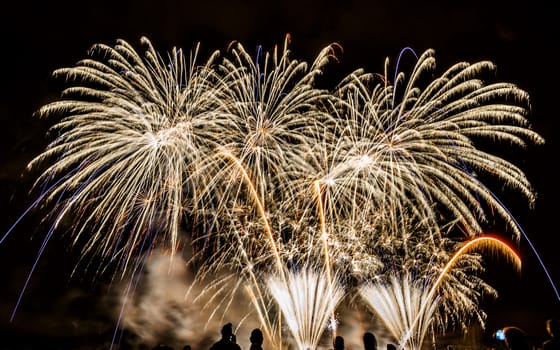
x=521, y=38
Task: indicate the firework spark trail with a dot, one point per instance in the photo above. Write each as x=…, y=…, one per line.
x=35, y=263
x=324, y=234
x=534, y=249
x=46, y=240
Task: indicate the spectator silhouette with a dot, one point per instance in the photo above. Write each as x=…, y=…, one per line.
x=187, y=347
x=553, y=330
x=516, y=339
x=228, y=340
x=370, y=342
x=256, y=339
x=394, y=347
x=338, y=343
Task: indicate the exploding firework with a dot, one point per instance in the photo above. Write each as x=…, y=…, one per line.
x=271, y=176
x=127, y=150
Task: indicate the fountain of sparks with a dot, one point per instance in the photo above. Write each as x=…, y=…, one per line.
x=407, y=304
x=307, y=301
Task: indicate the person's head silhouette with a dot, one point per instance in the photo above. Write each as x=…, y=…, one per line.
x=227, y=331
x=256, y=337
x=370, y=342
x=338, y=343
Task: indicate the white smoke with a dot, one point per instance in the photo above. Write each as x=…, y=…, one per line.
x=167, y=307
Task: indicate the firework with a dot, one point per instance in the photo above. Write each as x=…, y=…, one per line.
x=127, y=150
x=407, y=144
x=271, y=176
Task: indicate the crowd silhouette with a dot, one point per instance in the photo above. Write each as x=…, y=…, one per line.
x=514, y=338
x=228, y=341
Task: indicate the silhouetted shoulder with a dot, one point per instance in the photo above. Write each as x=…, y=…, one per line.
x=516, y=339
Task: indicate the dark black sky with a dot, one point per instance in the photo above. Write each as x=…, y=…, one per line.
x=521, y=37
